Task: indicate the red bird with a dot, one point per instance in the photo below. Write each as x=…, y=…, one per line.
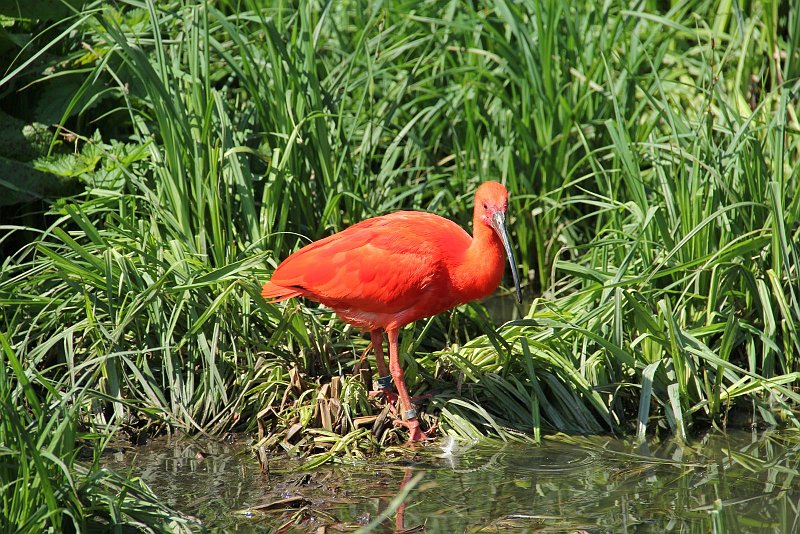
x=386, y=272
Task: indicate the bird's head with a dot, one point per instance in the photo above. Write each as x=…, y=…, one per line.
x=490, y=198
x=491, y=203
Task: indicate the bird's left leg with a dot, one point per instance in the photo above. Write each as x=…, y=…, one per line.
x=408, y=413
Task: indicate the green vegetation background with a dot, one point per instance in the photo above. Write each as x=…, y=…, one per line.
x=157, y=160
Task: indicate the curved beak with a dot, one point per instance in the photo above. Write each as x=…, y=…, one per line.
x=499, y=225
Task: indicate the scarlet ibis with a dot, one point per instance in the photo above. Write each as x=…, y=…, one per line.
x=386, y=272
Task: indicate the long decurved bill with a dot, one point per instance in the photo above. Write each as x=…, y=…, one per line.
x=499, y=225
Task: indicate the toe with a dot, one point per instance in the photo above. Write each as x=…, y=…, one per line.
x=415, y=433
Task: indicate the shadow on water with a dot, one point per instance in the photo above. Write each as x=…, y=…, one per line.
x=739, y=482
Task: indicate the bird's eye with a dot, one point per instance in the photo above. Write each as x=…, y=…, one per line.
x=485, y=206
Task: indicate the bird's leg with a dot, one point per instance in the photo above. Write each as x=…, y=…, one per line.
x=377, y=343
x=409, y=414
x=384, y=378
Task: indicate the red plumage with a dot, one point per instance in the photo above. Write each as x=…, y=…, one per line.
x=388, y=271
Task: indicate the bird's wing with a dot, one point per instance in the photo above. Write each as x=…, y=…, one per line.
x=382, y=264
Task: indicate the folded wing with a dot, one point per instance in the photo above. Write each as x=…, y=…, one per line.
x=383, y=264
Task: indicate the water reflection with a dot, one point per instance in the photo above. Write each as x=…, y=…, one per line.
x=738, y=482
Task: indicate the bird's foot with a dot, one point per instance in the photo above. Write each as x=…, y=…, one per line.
x=415, y=433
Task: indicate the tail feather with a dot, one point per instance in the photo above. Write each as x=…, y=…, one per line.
x=276, y=293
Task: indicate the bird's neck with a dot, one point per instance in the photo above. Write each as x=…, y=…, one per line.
x=481, y=269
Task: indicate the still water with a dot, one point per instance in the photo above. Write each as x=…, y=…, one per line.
x=737, y=482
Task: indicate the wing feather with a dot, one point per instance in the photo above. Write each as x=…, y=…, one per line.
x=383, y=264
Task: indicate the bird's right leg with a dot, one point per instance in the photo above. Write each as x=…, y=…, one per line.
x=384, y=378
x=409, y=414
x=377, y=344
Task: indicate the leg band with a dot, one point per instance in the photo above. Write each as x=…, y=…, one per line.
x=385, y=382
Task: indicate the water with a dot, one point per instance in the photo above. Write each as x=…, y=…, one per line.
x=739, y=482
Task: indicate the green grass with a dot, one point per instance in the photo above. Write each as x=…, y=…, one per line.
x=651, y=154
x=46, y=485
